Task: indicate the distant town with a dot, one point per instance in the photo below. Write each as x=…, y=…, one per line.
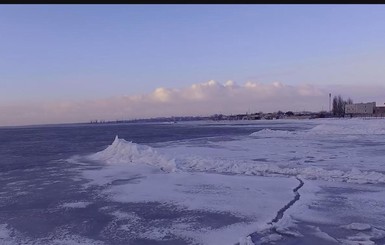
x=338, y=108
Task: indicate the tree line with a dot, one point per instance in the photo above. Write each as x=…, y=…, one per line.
x=339, y=105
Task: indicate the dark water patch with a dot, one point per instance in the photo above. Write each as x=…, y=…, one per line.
x=170, y=240
x=295, y=159
x=133, y=180
x=260, y=160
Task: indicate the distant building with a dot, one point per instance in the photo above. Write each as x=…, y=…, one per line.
x=380, y=111
x=363, y=109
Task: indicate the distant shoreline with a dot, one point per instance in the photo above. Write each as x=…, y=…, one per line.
x=171, y=120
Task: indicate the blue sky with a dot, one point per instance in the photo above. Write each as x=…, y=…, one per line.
x=74, y=53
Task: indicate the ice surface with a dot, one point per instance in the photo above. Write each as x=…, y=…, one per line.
x=217, y=176
x=254, y=200
x=210, y=192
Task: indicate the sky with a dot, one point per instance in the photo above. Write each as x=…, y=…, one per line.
x=76, y=63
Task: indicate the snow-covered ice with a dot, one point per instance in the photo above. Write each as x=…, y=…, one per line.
x=203, y=174
x=225, y=189
x=253, y=203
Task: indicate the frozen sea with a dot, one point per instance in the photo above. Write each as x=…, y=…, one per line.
x=318, y=181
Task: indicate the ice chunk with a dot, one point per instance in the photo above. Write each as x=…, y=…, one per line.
x=323, y=235
x=245, y=241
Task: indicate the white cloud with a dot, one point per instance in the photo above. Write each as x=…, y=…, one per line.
x=199, y=99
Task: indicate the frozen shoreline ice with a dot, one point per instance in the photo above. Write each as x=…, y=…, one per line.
x=205, y=189
x=235, y=157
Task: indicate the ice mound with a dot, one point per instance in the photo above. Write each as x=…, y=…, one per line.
x=122, y=151
x=272, y=133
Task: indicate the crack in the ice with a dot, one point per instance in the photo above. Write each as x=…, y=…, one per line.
x=281, y=212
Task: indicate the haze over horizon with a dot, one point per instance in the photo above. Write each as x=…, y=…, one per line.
x=76, y=63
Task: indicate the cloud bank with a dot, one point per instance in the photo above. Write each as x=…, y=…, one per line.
x=199, y=99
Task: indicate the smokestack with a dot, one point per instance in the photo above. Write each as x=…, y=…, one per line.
x=330, y=101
